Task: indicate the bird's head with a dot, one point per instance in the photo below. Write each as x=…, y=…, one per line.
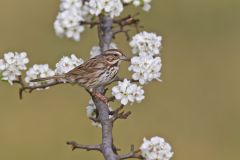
x=115, y=56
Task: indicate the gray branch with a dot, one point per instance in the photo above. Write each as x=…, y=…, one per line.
x=26, y=87
x=119, y=114
x=105, y=35
x=74, y=145
x=132, y=154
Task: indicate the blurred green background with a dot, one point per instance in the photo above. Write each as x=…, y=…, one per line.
x=196, y=107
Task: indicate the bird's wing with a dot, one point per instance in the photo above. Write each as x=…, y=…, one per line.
x=88, y=67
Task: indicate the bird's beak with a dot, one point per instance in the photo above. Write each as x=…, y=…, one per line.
x=124, y=58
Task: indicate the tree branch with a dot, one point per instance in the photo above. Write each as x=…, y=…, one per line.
x=121, y=30
x=119, y=115
x=105, y=35
x=111, y=99
x=105, y=31
x=107, y=147
x=132, y=154
x=126, y=21
x=94, y=119
x=107, y=125
x=90, y=23
x=26, y=87
x=74, y=145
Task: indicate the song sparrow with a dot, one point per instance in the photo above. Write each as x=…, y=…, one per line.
x=95, y=72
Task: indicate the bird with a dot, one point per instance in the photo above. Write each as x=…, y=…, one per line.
x=97, y=71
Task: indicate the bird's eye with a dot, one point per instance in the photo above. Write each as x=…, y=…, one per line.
x=110, y=59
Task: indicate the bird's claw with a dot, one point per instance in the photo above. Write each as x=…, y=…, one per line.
x=101, y=97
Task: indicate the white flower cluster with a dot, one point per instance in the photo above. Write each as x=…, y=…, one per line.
x=144, y=3
x=68, y=21
x=73, y=12
x=96, y=49
x=147, y=65
x=126, y=92
x=38, y=71
x=111, y=7
x=156, y=149
x=92, y=112
x=12, y=64
x=70, y=4
x=67, y=63
x=145, y=43
x=145, y=68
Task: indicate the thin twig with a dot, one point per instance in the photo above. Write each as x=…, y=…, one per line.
x=117, y=110
x=111, y=99
x=121, y=115
x=126, y=4
x=94, y=119
x=121, y=30
x=126, y=21
x=116, y=114
x=26, y=87
x=132, y=154
x=90, y=23
x=74, y=145
x=105, y=91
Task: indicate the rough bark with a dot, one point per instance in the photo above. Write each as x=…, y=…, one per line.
x=105, y=32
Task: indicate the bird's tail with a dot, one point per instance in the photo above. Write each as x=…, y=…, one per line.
x=48, y=78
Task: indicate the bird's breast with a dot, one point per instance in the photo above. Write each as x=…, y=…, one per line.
x=108, y=75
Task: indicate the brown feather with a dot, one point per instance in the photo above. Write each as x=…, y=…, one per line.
x=99, y=70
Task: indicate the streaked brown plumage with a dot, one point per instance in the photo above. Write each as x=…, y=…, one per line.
x=97, y=71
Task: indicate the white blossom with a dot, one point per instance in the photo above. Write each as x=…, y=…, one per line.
x=136, y=3
x=95, y=7
x=2, y=65
x=96, y=49
x=70, y=4
x=126, y=92
x=10, y=74
x=138, y=94
x=68, y=21
x=21, y=60
x=39, y=71
x=12, y=64
x=145, y=68
x=67, y=63
x=146, y=6
x=92, y=113
x=111, y=7
x=127, y=1
x=146, y=43
x=156, y=149
x=144, y=3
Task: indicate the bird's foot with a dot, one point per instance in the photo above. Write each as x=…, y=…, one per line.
x=101, y=97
